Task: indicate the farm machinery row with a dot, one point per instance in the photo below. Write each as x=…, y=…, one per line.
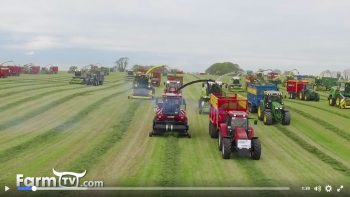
x=9, y=70
x=92, y=75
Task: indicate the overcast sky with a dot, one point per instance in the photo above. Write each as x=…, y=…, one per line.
x=310, y=35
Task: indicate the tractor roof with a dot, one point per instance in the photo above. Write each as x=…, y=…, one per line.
x=238, y=114
x=172, y=81
x=172, y=95
x=273, y=92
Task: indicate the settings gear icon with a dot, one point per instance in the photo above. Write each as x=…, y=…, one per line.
x=328, y=188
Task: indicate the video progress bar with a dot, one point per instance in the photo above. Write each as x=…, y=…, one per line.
x=157, y=188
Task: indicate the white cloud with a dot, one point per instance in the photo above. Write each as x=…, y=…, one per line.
x=266, y=33
x=29, y=53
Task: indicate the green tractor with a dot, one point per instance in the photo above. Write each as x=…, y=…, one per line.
x=236, y=85
x=309, y=94
x=207, y=89
x=89, y=76
x=340, y=95
x=271, y=109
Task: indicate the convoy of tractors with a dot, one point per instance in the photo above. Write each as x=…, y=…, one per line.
x=8, y=68
x=227, y=109
x=227, y=105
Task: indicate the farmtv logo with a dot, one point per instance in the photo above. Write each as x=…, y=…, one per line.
x=61, y=179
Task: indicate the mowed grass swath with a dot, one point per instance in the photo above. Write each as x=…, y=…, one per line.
x=48, y=123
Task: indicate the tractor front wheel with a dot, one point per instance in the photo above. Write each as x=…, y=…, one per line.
x=267, y=118
x=260, y=112
x=256, y=149
x=338, y=101
x=226, y=148
x=286, y=118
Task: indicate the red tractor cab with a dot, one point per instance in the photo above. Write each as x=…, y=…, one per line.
x=170, y=115
x=171, y=86
x=155, y=79
x=229, y=122
x=294, y=87
x=175, y=77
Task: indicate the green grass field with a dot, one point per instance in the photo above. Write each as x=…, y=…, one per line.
x=47, y=123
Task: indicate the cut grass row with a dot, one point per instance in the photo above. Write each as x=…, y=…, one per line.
x=90, y=158
x=42, y=109
x=315, y=151
x=12, y=152
x=322, y=122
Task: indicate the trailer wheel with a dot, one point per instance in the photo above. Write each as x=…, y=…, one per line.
x=267, y=118
x=286, y=118
x=260, y=112
x=189, y=135
x=226, y=148
x=317, y=97
x=251, y=108
x=212, y=130
x=256, y=149
x=301, y=96
x=219, y=142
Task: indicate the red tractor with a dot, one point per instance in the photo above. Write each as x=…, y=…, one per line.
x=176, y=77
x=53, y=69
x=228, y=121
x=156, y=78
x=4, y=72
x=14, y=70
x=170, y=115
x=172, y=86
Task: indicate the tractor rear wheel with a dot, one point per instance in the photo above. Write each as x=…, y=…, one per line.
x=306, y=97
x=256, y=149
x=260, y=112
x=267, y=118
x=286, y=118
x=226, y=148
x=331, y=101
